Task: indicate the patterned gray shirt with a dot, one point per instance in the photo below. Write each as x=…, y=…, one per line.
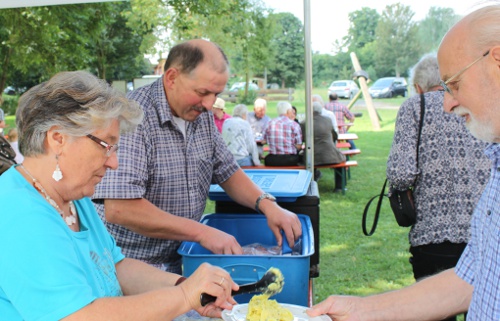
x=157, y=163
x=452, y=170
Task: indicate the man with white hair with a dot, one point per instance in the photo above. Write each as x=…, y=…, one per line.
x=238, y=136
x=326, y=113
x=258, y=121
x=284, y=138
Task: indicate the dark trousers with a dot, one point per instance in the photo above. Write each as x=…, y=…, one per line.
x=281, y=160
x=430, y=259
x=337, y=172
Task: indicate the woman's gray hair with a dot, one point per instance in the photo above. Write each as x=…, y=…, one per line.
x=426, y=72
x=317, y=107
x=76, y=102
x=240, y=110
x=283, y=107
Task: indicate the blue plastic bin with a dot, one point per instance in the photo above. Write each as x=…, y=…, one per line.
x=284, y=184
x=248, y=229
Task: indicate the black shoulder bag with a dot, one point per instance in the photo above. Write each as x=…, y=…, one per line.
x=401, y=201
x=7, y=155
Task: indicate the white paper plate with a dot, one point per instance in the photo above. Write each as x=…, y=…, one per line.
x=239, y=313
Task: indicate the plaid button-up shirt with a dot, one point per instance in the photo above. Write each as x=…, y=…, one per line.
x=174, y=173
x=282, y=134
x=480, y=262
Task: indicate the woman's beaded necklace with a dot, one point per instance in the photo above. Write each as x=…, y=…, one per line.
x=71, y=219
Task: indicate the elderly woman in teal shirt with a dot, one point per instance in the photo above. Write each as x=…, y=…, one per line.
x=58, y=260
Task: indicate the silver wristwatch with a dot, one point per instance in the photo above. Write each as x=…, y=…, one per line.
x=263, y=196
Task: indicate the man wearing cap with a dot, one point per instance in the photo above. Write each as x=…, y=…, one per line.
x=220, y=115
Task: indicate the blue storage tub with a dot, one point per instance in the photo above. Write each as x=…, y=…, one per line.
x=248, y=229
x=284, y=184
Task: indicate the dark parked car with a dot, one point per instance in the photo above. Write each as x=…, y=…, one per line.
x=389, y=87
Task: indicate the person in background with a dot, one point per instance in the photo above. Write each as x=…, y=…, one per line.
x=325, y=139
x=326, y=113
x=295, y=114
x=341, y=112
x=258, y=121
x=2, y=118
x=468, y=58
x=15, y=146
x=330, y=115
x=284, y=138
x=446, y=188
x=156, y=198
x=220, y=116
x=239, y=138
x=51, y=237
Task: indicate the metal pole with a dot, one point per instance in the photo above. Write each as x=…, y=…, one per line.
x=309, y=152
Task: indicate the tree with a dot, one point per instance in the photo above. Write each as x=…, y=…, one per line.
x=114, y=46
x=397, y=45
x=362, y=26
x=434, y=26
x=288, y=67
x=36, y=41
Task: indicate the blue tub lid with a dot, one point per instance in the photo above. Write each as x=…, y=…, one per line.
x=284, y=184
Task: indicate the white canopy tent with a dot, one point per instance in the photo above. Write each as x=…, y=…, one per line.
x=4, y=4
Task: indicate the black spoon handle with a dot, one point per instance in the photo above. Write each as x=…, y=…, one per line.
x=206, y=298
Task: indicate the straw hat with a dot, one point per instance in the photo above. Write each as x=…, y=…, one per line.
x=220, y=104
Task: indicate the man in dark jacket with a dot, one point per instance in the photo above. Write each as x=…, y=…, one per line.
x=325, y=138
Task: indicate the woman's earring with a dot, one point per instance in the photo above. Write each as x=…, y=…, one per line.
x=57, y=175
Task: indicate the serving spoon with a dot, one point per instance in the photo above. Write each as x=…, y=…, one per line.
x=271, y=283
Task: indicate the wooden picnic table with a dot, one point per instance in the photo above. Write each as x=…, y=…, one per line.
x=347, y=136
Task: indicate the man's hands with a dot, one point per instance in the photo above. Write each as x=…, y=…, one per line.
x=219, y=242
x=281, y=219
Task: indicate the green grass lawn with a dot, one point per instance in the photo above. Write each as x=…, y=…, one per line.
x=351, y=263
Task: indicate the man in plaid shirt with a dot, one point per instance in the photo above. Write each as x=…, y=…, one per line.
x=341, y=112
x=284, y=137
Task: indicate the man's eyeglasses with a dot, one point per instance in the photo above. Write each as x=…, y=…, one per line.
x=110, y=149
x=444, y=84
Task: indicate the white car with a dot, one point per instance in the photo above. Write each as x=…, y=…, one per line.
x=241, y=85
x=343, y=88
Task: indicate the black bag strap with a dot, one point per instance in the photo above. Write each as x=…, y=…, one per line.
x=377, y=211
x=422, y=112
x=382, y=192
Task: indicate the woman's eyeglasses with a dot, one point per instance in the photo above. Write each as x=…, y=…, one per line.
x=110, y=149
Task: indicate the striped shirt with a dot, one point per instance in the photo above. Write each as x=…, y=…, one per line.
x=172, y=172
x=480, y=262
x=282, y=134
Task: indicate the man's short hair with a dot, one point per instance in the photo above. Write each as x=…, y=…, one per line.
x=240, y=110
x=317, y=107
x=317, y=97
x=260, y=102
x=186, y=56
x=283, y=107
x=333, y=96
